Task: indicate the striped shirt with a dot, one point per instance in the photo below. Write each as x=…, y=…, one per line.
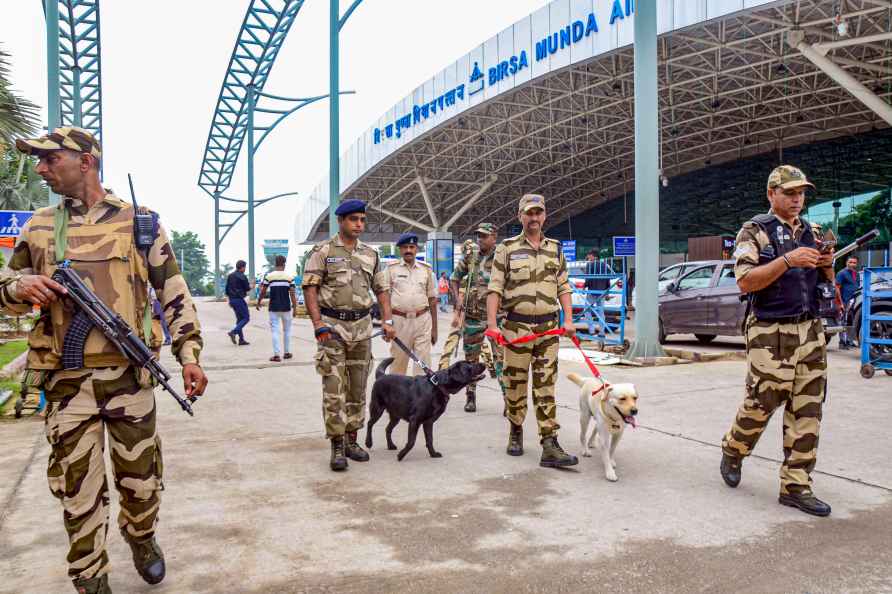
x=279, y=284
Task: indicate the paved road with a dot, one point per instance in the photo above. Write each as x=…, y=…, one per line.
x=250, y=505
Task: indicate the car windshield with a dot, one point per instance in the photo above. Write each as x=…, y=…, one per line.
x=698, y=279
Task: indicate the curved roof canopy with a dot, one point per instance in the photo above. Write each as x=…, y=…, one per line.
x=552, y=108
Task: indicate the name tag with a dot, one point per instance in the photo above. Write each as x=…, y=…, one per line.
x=402, y=276
x=335, y=259
x=519, y=257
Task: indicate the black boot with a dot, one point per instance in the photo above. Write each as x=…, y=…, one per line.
x=553, y=455
x=338, y=461
x=807, y=502
x=730, y=469
x=353, y=451
x=147, y=558
x=515, y=440
x=471, y=404
x=96, y=585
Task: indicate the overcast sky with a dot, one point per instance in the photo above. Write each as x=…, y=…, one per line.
x=163, y=63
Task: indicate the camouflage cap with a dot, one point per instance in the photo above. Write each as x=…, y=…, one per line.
x=486, y=228
x=66, y=137
x=786, y=177
x=529, y=201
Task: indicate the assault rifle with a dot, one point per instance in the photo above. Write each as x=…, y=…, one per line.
x=92, y=312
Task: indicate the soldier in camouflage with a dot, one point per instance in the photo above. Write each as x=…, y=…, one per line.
x=107, y=397
x=779, y=264
x=474, y=271
x=530, y=282
x=337, y=279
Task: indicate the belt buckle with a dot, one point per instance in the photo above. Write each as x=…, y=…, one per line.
x=342, y=315
x=411, y=315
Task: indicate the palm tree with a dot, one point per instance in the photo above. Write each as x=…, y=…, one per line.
x=20, y=186
x=18, y=116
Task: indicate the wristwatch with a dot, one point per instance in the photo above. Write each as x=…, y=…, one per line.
x=388, y=322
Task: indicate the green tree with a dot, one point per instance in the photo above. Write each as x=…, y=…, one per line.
x=20, y=186
x=18, y=116
x=875, y=213
x=193, y=261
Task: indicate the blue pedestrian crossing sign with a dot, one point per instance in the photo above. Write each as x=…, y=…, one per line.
x=623, y=245
x=569, y=249
x=12, y=221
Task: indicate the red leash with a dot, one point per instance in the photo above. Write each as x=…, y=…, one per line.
x=502, y=341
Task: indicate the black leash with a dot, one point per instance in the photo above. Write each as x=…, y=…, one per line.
x=427, y=370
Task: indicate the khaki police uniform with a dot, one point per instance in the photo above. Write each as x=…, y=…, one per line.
x=529, y=281
x=345, y=279
x=108, y=397
x=787, y=366
x=411, y=289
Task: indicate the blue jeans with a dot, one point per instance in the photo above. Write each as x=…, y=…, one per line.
x=242, y=315
x=444, y=301
x=277, y=320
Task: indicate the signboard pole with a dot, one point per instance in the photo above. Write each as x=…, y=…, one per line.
x=647, y=196
x=53, y=103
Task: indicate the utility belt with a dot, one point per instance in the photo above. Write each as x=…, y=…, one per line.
x=803, y=317
x=410, y=314
x=345, y=315
x=540, y=319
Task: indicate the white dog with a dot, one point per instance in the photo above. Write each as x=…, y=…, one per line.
x=612, y=406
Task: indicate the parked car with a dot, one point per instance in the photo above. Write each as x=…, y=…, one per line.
x=704, y=301
x=670, y=274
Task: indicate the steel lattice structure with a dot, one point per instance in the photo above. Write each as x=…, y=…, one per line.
x=263, y=31
x=729, y=88
x=80, y=65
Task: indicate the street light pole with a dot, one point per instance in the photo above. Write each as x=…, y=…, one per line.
x=54, y=105
x=334, y=165
x=251, y=101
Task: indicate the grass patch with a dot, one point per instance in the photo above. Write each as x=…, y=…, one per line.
x=12, y=349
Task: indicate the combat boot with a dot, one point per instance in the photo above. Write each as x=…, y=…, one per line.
x=730, y=469
x=338, y=461
x=807, y=502
x=471, y=404
x=147, y=558
x=96, y=585
x=515, y=440
x=553, y=455
x=353, y=451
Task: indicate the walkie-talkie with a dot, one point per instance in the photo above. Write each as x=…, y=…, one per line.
x=143, y=223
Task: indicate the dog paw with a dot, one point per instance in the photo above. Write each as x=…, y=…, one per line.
x=587, y=453
x=611, y=476
x=436, y=455
x=400, y=456
x=391, y=447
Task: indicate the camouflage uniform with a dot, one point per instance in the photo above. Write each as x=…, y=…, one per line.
x=529, y=282
x=108, y=393
x=787, y=365
x=344, y=279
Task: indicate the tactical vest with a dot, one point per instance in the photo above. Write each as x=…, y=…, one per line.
x=347, y=282
x=795, y=292
x=106, y=258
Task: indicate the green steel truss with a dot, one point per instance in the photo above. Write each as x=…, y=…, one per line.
x=263, y=31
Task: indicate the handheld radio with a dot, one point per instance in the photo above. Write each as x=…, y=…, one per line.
x=143, y=223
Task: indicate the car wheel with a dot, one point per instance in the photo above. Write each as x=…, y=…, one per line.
x=705, y=338
x=662, y=333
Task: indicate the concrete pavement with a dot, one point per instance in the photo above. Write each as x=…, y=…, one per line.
x=250, y=505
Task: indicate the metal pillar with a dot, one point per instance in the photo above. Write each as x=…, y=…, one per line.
x=647, y=175
x=217, y=289
x=251, y=105
x=53, y=102
x=334, y=124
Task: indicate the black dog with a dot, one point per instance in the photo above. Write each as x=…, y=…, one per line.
x=416, y=400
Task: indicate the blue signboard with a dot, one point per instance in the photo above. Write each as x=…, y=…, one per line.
x=12, y=221
x=569, y=249
x=623, y=245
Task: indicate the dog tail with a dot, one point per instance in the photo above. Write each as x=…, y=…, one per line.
x=576, y=379
x=382, y=367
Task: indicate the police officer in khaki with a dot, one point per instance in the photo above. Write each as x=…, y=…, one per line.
x=413, y=297
x=338, y=278
x=108, y=397
x=779, y=264
x=530, y=282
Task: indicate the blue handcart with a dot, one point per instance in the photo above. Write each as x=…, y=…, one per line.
x=876, y=328
x=603, y=311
